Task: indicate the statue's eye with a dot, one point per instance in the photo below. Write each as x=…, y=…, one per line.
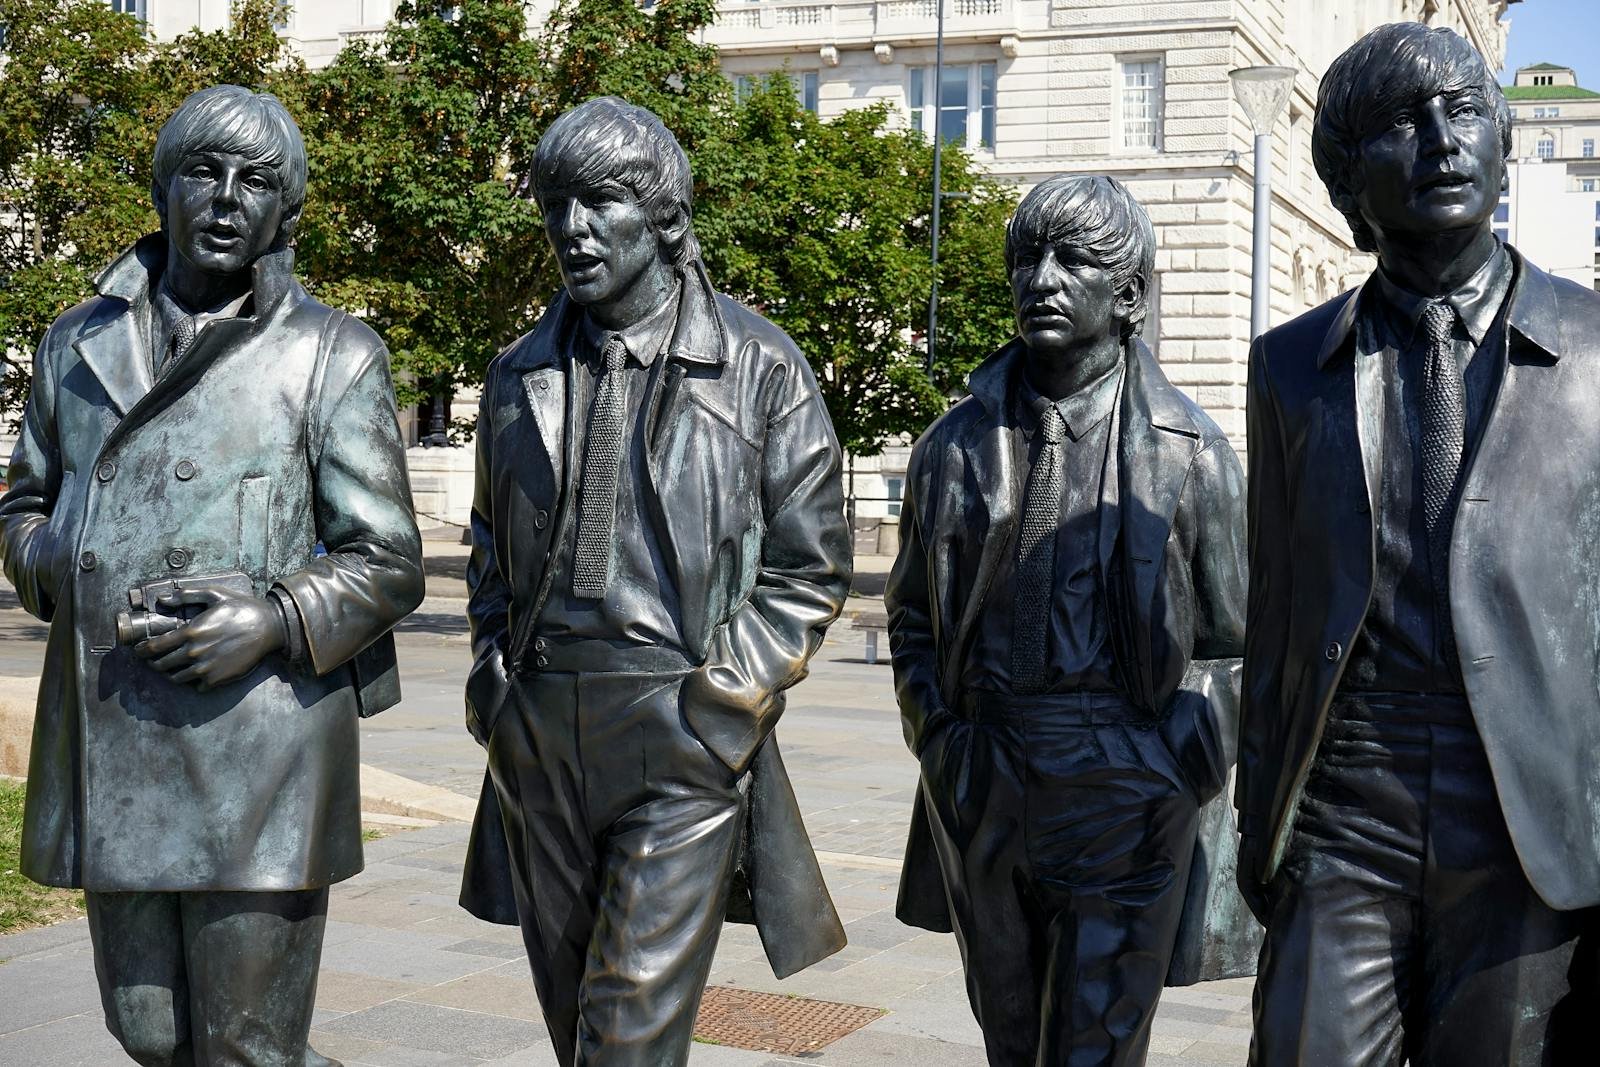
x=1402, y=121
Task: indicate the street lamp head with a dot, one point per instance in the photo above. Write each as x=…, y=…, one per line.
x=1262, y=92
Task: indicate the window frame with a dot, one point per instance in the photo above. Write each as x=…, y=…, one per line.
x=1158, y=104
x=1540, y=145
x=923, y=108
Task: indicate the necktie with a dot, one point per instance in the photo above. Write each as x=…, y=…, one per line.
x=1036, y=557
x=597, y=493
x=1444, y=422
x=183, y=333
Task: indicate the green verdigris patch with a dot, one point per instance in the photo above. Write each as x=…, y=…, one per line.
x=24, y=903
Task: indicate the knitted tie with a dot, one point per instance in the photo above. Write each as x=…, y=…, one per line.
x=1444, y=424
x=597, y=494
x=1036, y=557
x=183, y=333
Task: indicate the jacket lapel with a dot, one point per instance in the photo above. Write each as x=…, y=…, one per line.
x=680, y=493
x=992, y=460
x=1368, y=389
x=118, y=352
x=1157, y=445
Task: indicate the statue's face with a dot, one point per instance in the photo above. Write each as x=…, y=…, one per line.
x=602, y=239
x=1433, y=165
x=1063, y=297
x=223, y=211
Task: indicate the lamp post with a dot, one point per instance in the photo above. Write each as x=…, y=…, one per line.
x=938, y=176
x=1262, y=92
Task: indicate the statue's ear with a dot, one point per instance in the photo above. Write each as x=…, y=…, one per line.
x=673, y=226
x=1131, y=295
x=287, y=224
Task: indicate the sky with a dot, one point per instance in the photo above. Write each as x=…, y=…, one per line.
x=1555, y=31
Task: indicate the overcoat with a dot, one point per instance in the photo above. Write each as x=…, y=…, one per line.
x=274, y=432
x=745, y=492
x=1524, y=571
x=1172, y=563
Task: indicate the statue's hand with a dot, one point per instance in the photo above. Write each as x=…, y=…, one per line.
x=232, y=634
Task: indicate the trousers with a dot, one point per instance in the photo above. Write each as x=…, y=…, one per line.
x=210, y=979
x=622, y=829
x=1403, y=928
x=1064, y=831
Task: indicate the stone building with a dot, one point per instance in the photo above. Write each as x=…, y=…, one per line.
x=1139, y=90
x=1550, y=208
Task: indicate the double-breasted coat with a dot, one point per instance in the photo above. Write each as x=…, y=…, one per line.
x=275, y=432
x=1171, y=547
x=744, y=473
x=1524, y=570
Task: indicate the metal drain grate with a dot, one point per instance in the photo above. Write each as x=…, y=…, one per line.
x=764, y=1022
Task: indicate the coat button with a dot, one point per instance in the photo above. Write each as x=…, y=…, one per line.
x=106, y=471
x=1333, y=651
x=184, y=470
x=541, y=518
x=544, y=383
x=87, y=561
x=543, y=661
x=540, y=644
x=178, y=558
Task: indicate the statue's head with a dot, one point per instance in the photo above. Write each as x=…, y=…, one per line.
x=617, y=199
x=1411, y=135
x=229, y=178
x=1081, y=253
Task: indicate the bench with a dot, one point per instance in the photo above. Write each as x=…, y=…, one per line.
x=871, y=623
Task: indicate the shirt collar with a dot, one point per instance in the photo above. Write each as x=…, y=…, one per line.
x=646, y=338
x=1477, y=301
x=1082, y=411
x=172, y=309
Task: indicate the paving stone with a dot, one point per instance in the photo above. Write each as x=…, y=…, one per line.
x=432, y=1028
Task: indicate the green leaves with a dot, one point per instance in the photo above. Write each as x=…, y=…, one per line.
x=418, y=146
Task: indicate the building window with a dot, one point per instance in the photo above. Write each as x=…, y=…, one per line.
x=1588, y=148
x=1555, y=112
x=964, y=101
x=895, y=490
x=1585, y=185
x=1513, y=112
x=805, y=87
x=1500, y=233
x=136, y=8
x=1139, y=114
x=1502, y=212
x=806, y=90
x=1597, y=236
x=1546, y=149
x=285, y=9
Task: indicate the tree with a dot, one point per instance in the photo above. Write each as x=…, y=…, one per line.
x=420, y=148
x=82, y=98
x=825, y=227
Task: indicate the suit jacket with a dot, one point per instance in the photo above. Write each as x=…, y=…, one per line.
x=1171, y=511
x=272, y=433
x=747, y=502
x=1524, y=570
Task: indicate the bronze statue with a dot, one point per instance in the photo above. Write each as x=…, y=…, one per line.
x=196, y=430
x=1066, y=614
x=1419, y=778
x=658, y=544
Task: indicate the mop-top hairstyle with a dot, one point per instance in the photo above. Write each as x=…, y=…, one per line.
x=1389, y=69
x=231, y=118
x=1098, y=215
x=608, y=139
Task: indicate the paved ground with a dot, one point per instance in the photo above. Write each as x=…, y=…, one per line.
x=410, y=980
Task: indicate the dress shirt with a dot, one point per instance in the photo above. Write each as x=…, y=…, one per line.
x=1077, y=650
x=1403, y=647
x=640, y=606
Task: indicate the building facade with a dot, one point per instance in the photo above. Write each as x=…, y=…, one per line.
x=1550, y=207
x=1138, y=90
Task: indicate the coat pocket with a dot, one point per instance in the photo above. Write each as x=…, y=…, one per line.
x=254, y=533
